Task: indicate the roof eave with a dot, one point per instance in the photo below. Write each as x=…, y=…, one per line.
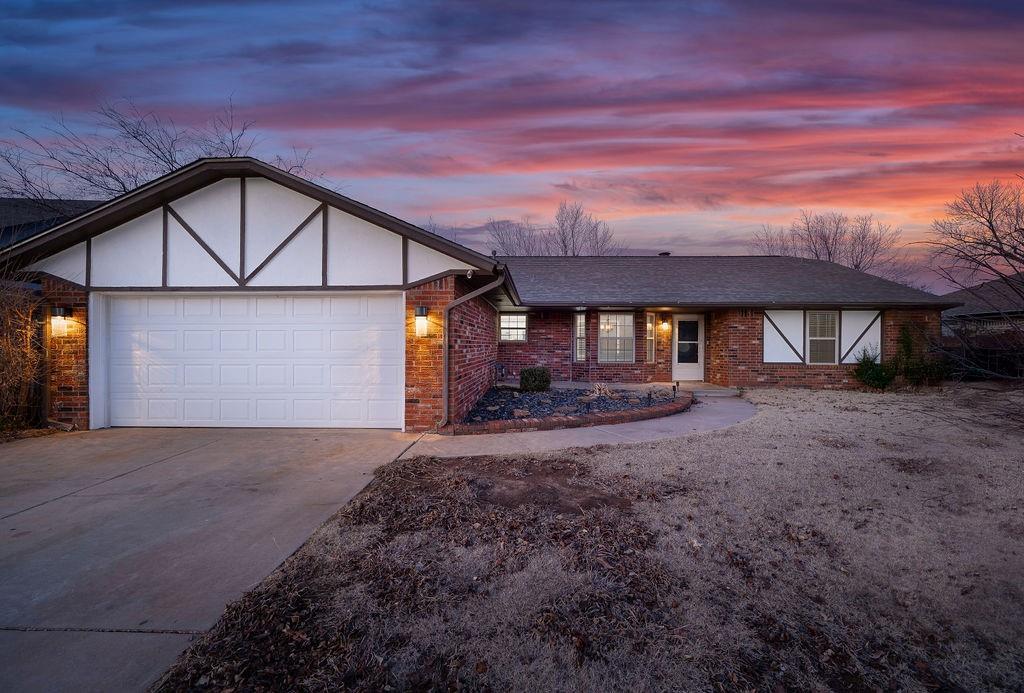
x=737, y=304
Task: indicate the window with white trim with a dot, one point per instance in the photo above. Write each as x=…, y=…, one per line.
x=512, y=327
x=649, y=336
x=615, y=338
x=579, y=337
x=822, y=336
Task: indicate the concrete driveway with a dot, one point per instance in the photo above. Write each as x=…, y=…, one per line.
x=119, y=546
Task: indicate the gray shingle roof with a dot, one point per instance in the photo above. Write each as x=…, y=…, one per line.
x=703, y=281
x=22, y=218
x=994, y=296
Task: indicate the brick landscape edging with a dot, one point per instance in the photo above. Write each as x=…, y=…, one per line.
x=549, y=423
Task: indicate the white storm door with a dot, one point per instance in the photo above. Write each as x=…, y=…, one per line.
x=688, y=347
x=257, y=359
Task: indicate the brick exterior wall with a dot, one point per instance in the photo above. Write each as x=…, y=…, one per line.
x=734, y=353
x=472, y=351
x=67, y=365
x=473, y=341
x=549, y=343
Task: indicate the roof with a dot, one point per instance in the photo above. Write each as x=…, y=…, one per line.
x=22, y=218
x=753, y=281
x=989, y=297
x=199, y=174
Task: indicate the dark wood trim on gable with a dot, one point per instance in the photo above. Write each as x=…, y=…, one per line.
x=288, y=239
x=163, y=256
x=323, y=247
x=241, y=227
x=205, y=246
x=405, y=260
x=189, y=178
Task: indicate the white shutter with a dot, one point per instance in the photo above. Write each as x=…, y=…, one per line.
x=862, y=329
x=783, y=340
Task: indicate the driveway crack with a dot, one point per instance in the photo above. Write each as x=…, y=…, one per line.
x=104, y=481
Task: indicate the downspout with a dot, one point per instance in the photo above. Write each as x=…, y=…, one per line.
x=444, y=331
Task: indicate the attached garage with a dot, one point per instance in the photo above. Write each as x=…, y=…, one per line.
x=251, y=360
x=230, y=293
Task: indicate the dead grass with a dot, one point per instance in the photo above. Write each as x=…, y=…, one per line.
x=844, y=541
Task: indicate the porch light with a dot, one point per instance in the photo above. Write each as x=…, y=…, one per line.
x=665, y=323
x=59, y=317
x=421, y=321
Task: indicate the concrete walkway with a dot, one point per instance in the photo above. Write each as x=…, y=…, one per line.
x=706, y=415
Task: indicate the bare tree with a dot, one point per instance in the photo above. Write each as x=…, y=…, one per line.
x=575, y=231
x=21, y=351
x=861, y=242
x=981, y=241
x=521, y=237
x=121, y=148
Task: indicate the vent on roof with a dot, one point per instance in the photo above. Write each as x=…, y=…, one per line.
x=664, y=253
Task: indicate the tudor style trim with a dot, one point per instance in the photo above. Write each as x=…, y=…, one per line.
x=322, y=209
x=878, y=316
x=201, y=173
x=783, y=335
x=205, y=246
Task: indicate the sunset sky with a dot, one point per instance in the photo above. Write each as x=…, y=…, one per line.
x=685, y=125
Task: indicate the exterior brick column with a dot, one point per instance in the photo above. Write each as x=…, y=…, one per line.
x=472, y=345
x=67, y=365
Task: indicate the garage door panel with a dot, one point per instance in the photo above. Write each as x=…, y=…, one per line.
x=257, y=360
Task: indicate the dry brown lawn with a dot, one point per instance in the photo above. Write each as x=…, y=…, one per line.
x=844, y=541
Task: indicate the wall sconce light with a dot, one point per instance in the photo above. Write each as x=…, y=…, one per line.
x=665, y=323
x=421, y=321
x=59, y=317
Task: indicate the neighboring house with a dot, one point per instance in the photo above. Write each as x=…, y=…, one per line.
x=989, y=308
x=21, y=218
x=230, y=293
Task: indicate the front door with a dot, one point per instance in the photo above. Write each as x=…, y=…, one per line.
x=688, y=347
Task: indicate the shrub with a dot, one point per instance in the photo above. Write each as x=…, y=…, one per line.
x=534, y=379
x=872, y=373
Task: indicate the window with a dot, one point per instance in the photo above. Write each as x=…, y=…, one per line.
x=512, y=327
x=822, y=336
x=579, y=337
x=649, y=336
x=615, y=338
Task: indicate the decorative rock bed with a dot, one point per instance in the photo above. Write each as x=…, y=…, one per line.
x=506, y=410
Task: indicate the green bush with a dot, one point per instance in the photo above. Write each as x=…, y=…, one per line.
x=872, y=373
x=534, y=379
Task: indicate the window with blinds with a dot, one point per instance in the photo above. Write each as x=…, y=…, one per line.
x=822, y=336
x=615, y=338
x=649, y=336
x=579, y=339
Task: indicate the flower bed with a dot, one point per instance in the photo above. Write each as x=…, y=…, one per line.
x=508, y=410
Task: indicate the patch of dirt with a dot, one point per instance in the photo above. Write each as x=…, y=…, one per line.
x=760, y=557
x=9, y=436
x=912, y=465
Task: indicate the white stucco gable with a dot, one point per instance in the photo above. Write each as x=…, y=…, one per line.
x=251, y=231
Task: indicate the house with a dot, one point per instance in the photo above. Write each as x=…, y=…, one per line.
x=230, y=293
x=22, y=217
x=989, y=308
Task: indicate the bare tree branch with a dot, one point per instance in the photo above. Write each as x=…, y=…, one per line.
x=859, y=242
x=121, y=148
x=575, y=231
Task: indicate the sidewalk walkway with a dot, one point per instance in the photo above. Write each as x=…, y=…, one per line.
x=706, y=415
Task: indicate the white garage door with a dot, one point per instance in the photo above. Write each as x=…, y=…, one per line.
x=256, y=360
